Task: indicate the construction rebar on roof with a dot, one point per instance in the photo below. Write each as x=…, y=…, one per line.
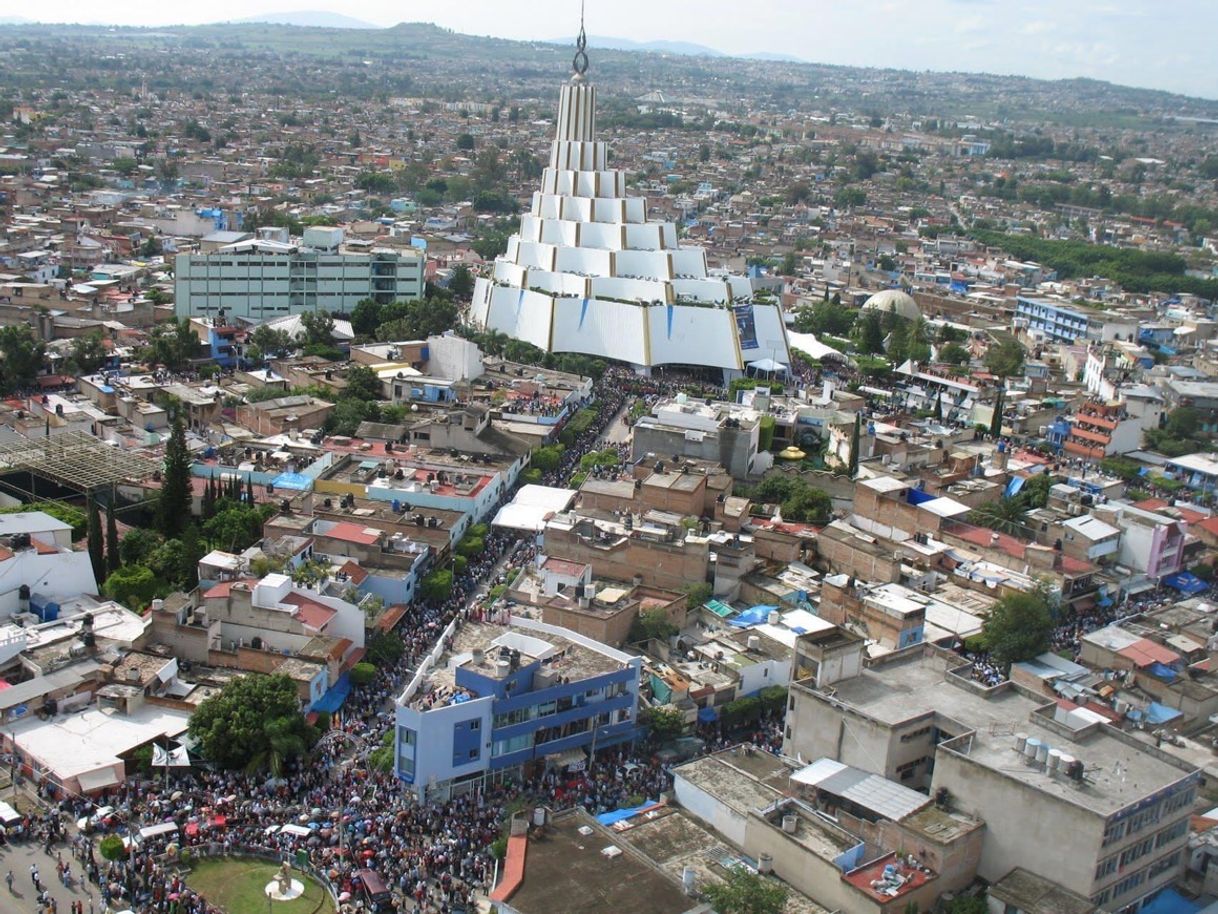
x=76, y=460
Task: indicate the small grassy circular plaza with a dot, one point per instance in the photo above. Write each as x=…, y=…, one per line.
x=237, y=885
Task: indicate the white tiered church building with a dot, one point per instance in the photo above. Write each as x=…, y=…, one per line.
x=587, y=273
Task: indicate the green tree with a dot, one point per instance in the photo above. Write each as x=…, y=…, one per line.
x=97, y=554
x=416, y=320
x=235, y=526
x=362, y=384
x=437, y=586
x=954, y=354
x=362, y=674
x=137, y=545
x=176, y=494
x=852, y=467
x=88, y=353
x=547, y=458
x=465, y=141
x=385, y=648
x=192, y=551
x=461, y=283
x=871, y=333
x=651, y=624
x=21, y=357
x=746, y=892
x=999, y=407
x=269, y=342
x=253, y=723
x=111, y=848
x=113, y=556
x=365, y=317
x=135, y=586
x=1019, y=627
x=807, y=505
x=1005, y=358
x=663, y=725
x=172, y=343
x=698, y=593
x=318, y=328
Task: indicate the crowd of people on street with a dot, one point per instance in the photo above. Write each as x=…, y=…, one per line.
x=436, y=855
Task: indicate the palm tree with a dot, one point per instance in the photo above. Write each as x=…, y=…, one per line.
x=282, y=744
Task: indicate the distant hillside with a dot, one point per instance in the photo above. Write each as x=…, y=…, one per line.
x=684, y=48
x=421, y=58
x=314, y=19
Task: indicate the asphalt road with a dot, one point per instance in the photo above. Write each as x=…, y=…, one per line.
x=23, y=900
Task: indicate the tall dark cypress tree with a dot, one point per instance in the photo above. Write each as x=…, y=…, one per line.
x=112, y=558
x=853, y=466
x=999, y=406
x=175, y=485
x=209, y=500
x=249, y=489
x=97, y=556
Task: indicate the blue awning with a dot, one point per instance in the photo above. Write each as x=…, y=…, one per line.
x=707, y=715
x=1185, y=582
x=334, y=697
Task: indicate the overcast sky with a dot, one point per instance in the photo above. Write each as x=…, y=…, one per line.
x=1163, y=44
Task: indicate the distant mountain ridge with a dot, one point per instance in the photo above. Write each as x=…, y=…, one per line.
x=661, y=46
x=313, y=19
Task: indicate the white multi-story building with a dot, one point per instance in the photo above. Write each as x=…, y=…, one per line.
x=588, y=273
x=261, y=279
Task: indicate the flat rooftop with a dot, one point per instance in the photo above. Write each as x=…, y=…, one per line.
x=83, y=741
x=557, y=654
x=566, y=871
x=676, y=841
x=915, y=683
x=1118, y=773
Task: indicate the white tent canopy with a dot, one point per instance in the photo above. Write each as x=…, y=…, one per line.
x=532, y=507
x=807, y=342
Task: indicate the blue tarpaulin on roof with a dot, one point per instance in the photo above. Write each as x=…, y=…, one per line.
x=1169, y=901
x=1160, y=714
x=1013, y=487
x=1185, y=582
x=292, y=481
x=1161, y=671
x=617, y=815
x=334, y=697
x=917, y=496
x=707, y=715
x=754, y=616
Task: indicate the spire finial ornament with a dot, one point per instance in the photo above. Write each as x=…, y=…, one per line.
x=580, y=61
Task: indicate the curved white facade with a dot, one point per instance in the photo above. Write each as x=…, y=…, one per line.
x=588, y=273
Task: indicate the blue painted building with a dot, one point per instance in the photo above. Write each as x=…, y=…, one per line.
x=1059, y=322
x=491, y=699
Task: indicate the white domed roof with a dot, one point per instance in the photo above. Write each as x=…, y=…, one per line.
x=894, y=300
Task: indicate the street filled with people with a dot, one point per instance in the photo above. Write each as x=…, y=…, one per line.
x=339, y=812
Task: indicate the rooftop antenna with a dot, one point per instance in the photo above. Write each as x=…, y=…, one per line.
x=580, y=62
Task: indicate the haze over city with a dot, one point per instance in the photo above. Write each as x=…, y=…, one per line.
x=1142, y=43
